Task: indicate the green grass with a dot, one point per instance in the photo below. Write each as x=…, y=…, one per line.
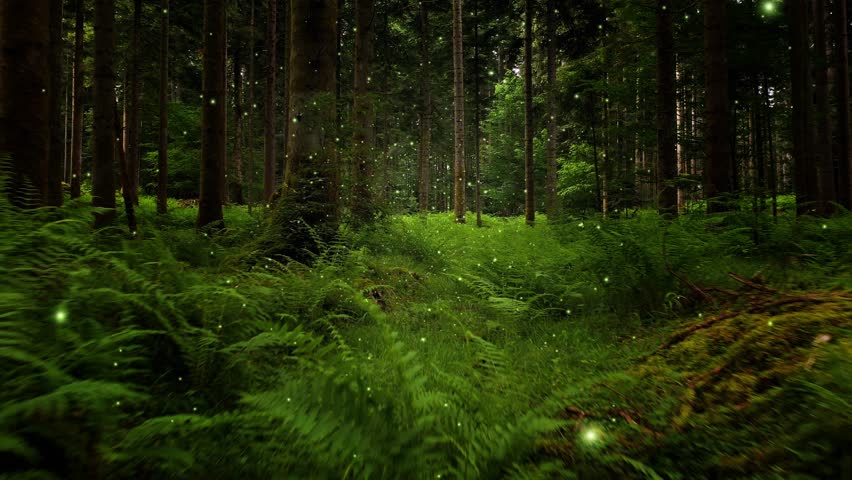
x=411, y=349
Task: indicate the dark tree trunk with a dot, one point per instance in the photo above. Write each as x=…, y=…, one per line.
x=552, y=201
x=477, y=134
x=132, y=150
x=822, y=119
x=213, y=117
x=269, y=104
x=55, y=160
x=249, y=188
x=841, y=65
x=24, y=110
x=459, y=174
x=77, y=103
x=423, y=153
x=124, y=176
x=236, y=176
x=804, y=177
x=529, y=134
x=718, y=166
x=163, y=157
x=666, y=111
x=309, y=208
x=104, y=130
x=286, y=90
x=363, y=115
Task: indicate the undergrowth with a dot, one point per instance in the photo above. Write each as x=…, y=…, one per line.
x=415, y=348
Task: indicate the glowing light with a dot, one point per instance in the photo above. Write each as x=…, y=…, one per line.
x=592, y=435
x=61, y=315
x=769, y=7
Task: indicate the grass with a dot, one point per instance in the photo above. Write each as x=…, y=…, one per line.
x=410, y=349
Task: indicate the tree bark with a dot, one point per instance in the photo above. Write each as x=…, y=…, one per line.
x=213, y=117
x=822, y=120
x=286, y=90
x=841, y=65
x=269, y=103
x=236, y=183
x=54, y=163
x=363, y=114
x=718, y=166
x=552, y=201
x=24, y=110
x=77, y=103
x=163, y=156
x=423, y=154
x=804, y=178
x=529, y=134
x=104, y=130
x=251, y=108
x=666, y=111
x=132, y=150
x=477, y=134
x=459, y=174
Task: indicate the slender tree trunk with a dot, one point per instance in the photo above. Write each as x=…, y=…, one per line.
x=459, y=174
x=269, y=104
x=773, y=165
x=666, y=111
x=822, y=120
x=236, y=184
x=163, y=157
x=552, y=202
x=477, y=134
x=132, y=150
x=251, y=108
x=213, y=117
x=423, y=154
x=844, y=137
x=681, y=134
x=124, y=175
x=804, y=178
x=286, y=90
x=104, y=131
x=529, y=134
x=718, y=168
x=77, y=103
x=363, y=114
x=24, y=110
x=54, y=164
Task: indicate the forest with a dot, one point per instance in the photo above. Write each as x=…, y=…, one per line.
x=434, y=239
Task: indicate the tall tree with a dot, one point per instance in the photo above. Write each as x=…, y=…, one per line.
x=718, y=165
x=236, y=175
x=424, y=150
x=841, y=66
x=804, y=178
x=24, y=82
x=251, y=108
x=459, y=175
x=529, y=134
x=77, y=102
x=666, y=110
x=132, y=147
x=213, y=116
x=286, y=83
x=309, y=207
x=269, y=102
x=55, y=158
x=822, y=120
x=552, y=203
x=104, y=132
x=477, y=107
x=163, y=157
x=363, y=114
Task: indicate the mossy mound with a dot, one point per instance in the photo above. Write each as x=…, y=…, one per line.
x=762, y=392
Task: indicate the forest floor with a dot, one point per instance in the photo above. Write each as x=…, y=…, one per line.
x=707, y=347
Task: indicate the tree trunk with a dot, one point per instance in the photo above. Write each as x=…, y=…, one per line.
x=680, y=114
x=529, y=171
x=363, y=115
x=477, y=134
x=666, y=111
x=459, y=174
x=841, y=65
x=236, y=183
x=77, y=103
x=269, y=104
x=213, y=117
x=163, y=157
x=423, y=154
x=251, y=108
x=54, y=164
x=24, y=110
x=718, y=168
x=124, y=175
x=286, y=90
x=804, y=178
x=822, y=120
x=104, y=131
x=552, y=202
x=309, y=209
x=132, y=150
